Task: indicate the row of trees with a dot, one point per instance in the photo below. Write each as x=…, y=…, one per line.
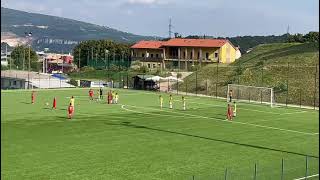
x=310, y=37
x=98, y=49
x=20, y=58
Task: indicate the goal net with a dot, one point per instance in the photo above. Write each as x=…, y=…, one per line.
x=242, y=93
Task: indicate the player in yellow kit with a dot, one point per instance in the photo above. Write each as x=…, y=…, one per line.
x=184, y=102
x=72, y=101
x=161, y=101
x=170, y=101
x=116, y=98
x=234, y=109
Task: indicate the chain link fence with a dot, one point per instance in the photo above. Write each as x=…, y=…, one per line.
x=293, y=85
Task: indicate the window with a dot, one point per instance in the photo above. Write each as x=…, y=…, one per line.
x=154, y=65
x=151, y=55
x=184, y=55
x=215, y=55
x=198, y=55
x=207, y=55
x=14, y=83
x=157, y=55
x=191, y=55
x=142, y=55
x=149, y=65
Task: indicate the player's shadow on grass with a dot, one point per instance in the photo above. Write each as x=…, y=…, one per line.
x=128, y=124
x=23, y=102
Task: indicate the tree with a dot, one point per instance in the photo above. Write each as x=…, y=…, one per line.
x=91, y=49
x=20, y=54
x=312, y=37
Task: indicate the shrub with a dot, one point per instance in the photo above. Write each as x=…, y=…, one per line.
x=282, y=87
x=4, y=67
x=87, y=69
x=73, y=82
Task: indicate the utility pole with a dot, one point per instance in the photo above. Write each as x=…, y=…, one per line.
x=170, y=26
x=29, y=64
x=29, y=68
x=79, y=58
x=24, y=58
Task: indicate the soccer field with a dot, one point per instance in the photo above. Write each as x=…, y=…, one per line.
x=137, y=140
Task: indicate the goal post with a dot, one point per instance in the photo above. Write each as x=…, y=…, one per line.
x=252, y=94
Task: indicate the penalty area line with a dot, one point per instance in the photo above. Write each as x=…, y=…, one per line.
x=235, y=122
x=315, y=175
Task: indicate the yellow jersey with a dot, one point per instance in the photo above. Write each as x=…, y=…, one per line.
x=72, y=101
x=161, y=99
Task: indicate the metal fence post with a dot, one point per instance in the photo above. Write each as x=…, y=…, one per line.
x=127, y=80
x=282, y=168
x=255, y=171
x=186, y=87
x=197, y=81
x=207, y=87
x=217, y=82
x=226, y=174
x=287, y=85
x=177, y=82
x=306, y=175
x=315, y=88
x=168, y=86
x=300, y=96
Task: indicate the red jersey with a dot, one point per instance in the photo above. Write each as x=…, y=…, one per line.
x=91, y=93
x=54, y=103
x=230, y=110
x=70, y=109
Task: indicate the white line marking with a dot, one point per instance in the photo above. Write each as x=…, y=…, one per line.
x=236, y=122
x=315, y=175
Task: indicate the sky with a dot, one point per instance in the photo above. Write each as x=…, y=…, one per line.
x=224, y=18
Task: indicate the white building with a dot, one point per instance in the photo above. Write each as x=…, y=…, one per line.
x=238, y=53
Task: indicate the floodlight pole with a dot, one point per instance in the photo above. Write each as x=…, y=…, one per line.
x=29, y=68
x=79, y=58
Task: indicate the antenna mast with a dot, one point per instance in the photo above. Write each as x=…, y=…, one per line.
x=170, y=26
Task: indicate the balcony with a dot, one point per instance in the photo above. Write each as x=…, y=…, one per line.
x=175, y=58
x=147, y=59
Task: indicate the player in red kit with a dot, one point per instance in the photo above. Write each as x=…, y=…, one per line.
x=70, y=111
x=109, y=97
x=54, y=104
x=33, y=97
x=91, y=94
x=229, y=112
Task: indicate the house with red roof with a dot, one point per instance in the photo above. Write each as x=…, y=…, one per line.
x=183, y=53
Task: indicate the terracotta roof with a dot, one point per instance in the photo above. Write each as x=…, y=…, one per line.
x=195, y=42
x=148, y=45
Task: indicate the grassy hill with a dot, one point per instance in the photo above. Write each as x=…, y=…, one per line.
x=57, y=32
x=268, y=65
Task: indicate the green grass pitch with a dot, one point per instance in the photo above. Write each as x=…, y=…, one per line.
x=136, y=140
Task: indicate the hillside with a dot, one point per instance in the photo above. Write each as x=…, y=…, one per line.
x=266, y=65
x=57, y=33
